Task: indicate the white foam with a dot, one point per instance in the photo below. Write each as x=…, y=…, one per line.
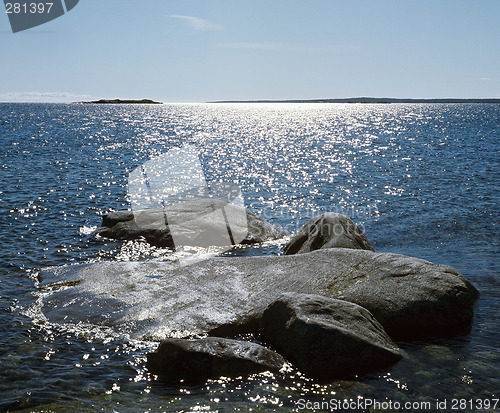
x=87, y=229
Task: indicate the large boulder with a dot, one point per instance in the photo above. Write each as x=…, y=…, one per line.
x=410, y=297
x=327, y=338
x=211, y=357
x=196, y=220
x=329, y=230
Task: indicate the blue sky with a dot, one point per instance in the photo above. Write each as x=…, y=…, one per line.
x=203, y=50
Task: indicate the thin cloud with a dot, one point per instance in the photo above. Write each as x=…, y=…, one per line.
x=197, y=23
x=484, y=79
x=42, y=97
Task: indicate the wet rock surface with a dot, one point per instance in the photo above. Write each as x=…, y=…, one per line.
x=410, y=297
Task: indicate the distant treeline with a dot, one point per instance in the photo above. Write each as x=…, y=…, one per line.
x=366, y=100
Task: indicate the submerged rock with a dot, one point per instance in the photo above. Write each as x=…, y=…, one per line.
x=329, y=230
x=327, y=338
x=410, y=297
x=192, y=220
x=211, y=357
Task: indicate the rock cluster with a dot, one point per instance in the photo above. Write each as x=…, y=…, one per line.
x=331, y=306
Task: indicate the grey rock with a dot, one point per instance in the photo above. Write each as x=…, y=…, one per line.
x=189, y=218
x=329, y=230
x=211, y=357
x=121, y=225
x=410, y=297
x=327, y=338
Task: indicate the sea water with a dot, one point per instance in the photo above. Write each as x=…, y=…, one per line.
x=420, y=179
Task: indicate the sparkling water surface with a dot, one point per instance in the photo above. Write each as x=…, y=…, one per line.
x=420, y=179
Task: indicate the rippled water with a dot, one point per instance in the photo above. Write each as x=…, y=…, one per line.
x=422, y=180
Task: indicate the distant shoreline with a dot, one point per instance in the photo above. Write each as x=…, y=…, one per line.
x=365, y=100
x=122, y=101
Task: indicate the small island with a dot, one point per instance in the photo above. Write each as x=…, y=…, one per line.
x=123, y=101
